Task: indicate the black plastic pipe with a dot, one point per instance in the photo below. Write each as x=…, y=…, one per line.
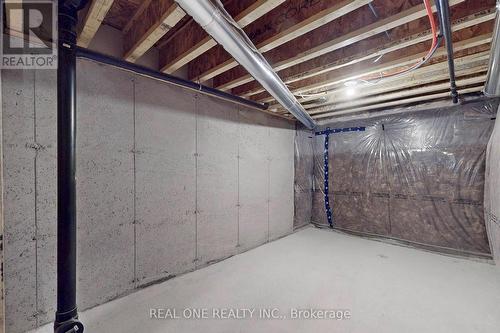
x=66, y=318
x=443, y=9
x=119, y=63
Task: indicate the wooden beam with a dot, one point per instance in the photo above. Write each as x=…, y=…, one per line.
x=398, y=102
x=401, y=62
x=199, y=48
x=415, y=80
x=14, y=21
x=457, y=25
x=432, y=88
x=256, y=10
x=175, y=61
x=466, y=65
x=145, y=4
x=365, y=32
x=152, y=24
x=313, y=22
x=422, y=75
x=95, y=15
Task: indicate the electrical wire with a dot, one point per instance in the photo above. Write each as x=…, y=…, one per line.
x=405, y=71
x=436, y=41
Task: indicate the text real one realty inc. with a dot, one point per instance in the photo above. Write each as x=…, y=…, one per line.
x=247, y=313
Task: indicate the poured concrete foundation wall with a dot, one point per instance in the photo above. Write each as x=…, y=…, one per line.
x=167, y=181
x=304, y=170
x=1, y=220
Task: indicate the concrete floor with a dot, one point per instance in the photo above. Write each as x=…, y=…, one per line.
x=386, y=288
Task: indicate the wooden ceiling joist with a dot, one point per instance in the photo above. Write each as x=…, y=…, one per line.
x=93, y=18
x=401, y=102
x=173, y=61
x=432, y=88
x=152, y=24
x=309, y=24
x=367, y=31
x=466, y=65
x=256, y=10
x=321, y=86
x=414, y=80
x=144, y=5
x=457, y=25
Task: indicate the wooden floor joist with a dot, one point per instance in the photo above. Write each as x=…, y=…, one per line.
x=144, y=5
x=299, y=29
x=465, y=65
x=152, y=24
x=457, y=25
x=93, y=19
x=256, y=10
x=400, y=102
x=247, y=16
x=370, y=30
x=432, y=88
x=405, y=61
x=414, y=80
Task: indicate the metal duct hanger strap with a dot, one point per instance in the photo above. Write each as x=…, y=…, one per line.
x=212, y=17
x=327, y=132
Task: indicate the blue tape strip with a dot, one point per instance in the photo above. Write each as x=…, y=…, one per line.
x=328, y=130
x=327, y=133
x=327, y=199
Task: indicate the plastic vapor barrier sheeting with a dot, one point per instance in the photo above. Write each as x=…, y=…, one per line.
x=492, y=191
x=416, y=177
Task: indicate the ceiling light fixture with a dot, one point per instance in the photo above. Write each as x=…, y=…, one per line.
x=351, y=91
x=351, y=83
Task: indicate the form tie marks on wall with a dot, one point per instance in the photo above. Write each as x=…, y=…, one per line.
x=29, y=34
x=249, y=313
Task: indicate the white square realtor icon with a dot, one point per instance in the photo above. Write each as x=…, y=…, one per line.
x=29, y=34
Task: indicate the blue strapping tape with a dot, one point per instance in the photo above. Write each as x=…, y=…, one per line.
x=327, y=133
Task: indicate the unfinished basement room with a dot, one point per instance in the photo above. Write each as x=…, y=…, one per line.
x=223, y=166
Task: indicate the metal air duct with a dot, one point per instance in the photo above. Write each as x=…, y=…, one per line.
x=211, y=16
x=492, y=87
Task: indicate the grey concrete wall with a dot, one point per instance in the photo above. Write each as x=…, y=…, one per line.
x=281, y=179
x=165, y=180
x=304, y=171
x=168, y=181
x=1, y=220
x=18, y=113
x=217, y=180
x=105, y=183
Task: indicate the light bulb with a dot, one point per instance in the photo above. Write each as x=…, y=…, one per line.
x=351, y=91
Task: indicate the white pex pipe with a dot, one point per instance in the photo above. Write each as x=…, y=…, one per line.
x=211, y=16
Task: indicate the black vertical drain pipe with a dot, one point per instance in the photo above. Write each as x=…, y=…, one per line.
x=66, y=318
x=443, y=9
